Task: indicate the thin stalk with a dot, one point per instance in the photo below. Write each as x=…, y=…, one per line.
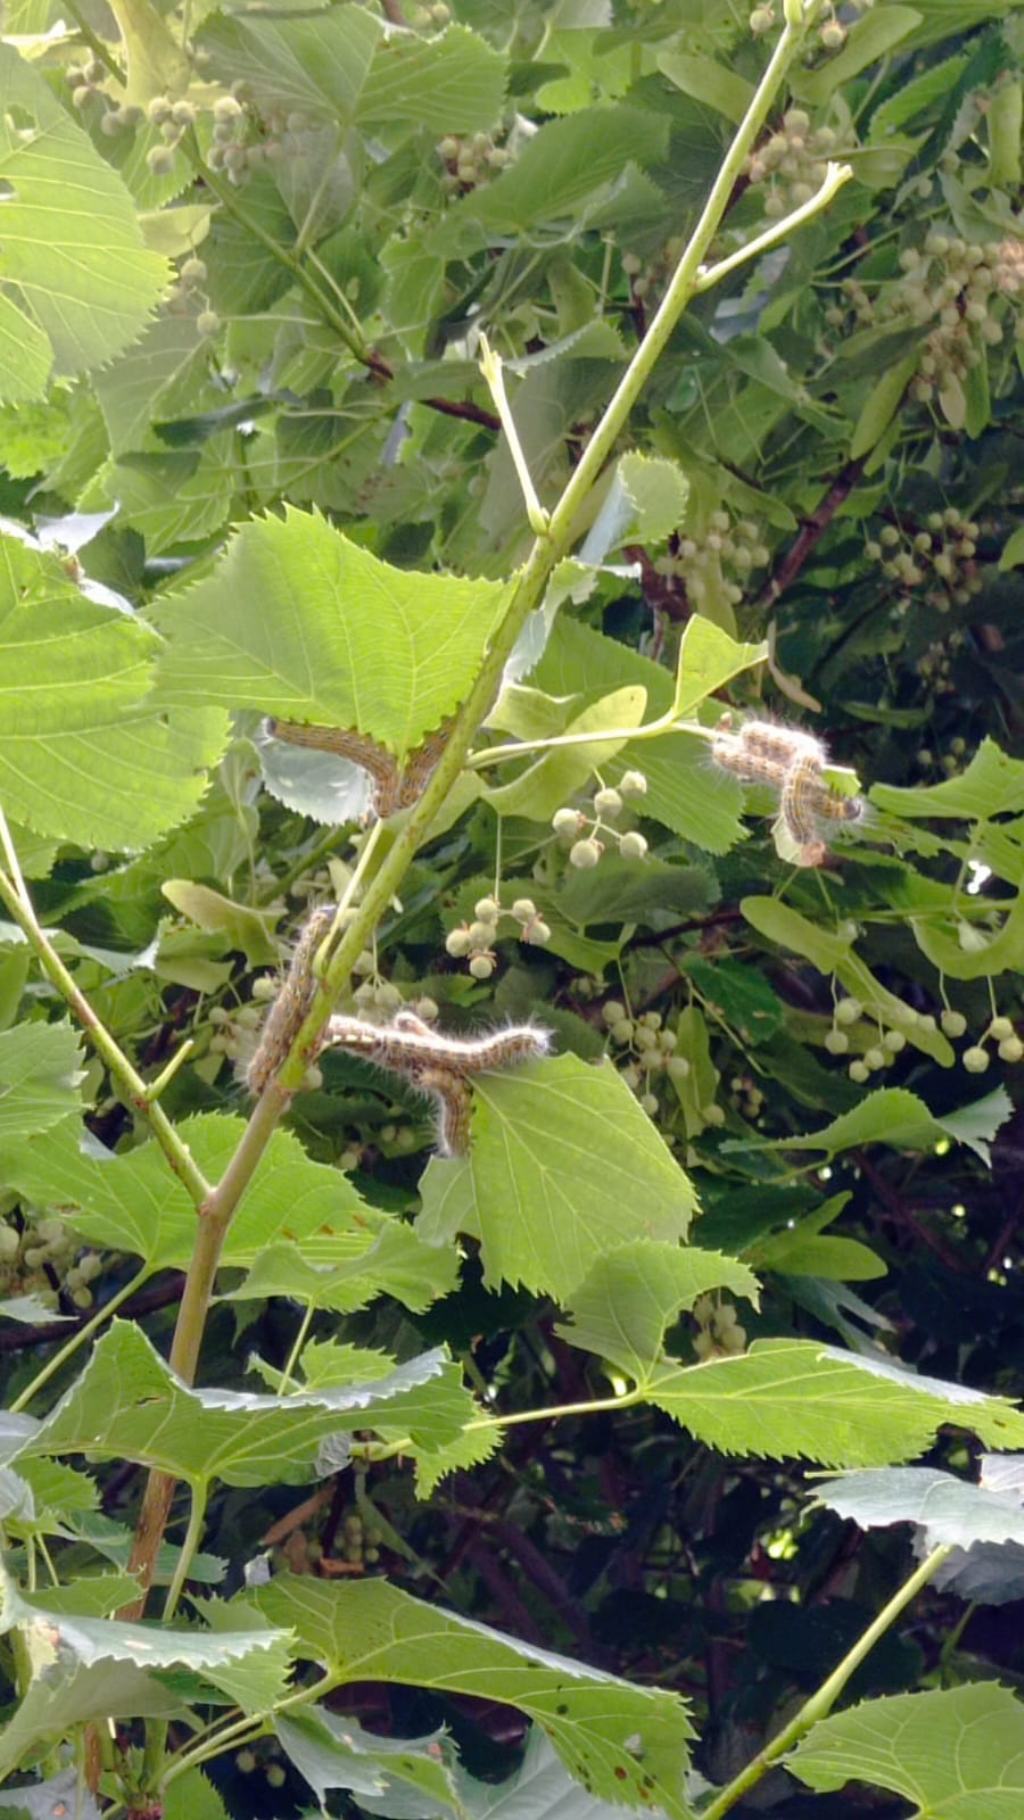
x=296, y=1352
x=128, y=1078
x=821, y=1703
x=189, y=1548
x=666, y=723
x=68, y=1350
x=832, y=182
x=244, y=1730
x=494, y=373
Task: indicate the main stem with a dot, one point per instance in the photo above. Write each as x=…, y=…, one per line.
x=386, y=864
x=821, y=1703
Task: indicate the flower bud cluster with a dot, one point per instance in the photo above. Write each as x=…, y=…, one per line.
x=718, y=563
x=471, y=161
x=474, y=941
x=588, y=836
x=880, y=1054
x=646, y=1049
x=43, y=1253
x=790, y=164
x=718, y=1329
x=650, y=276
x=938, y=561
x=962, y=292
x=831, y=32
x=172, y=119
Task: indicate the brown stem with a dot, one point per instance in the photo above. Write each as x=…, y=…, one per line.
x=215, y=1216
x=811, y=530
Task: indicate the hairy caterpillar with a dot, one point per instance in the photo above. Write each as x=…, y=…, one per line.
x=439, y=1067
x=407, y=1042
x=393, y=788
x=793, y=763
x=288, y=1011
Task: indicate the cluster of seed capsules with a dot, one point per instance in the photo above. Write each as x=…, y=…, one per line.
x=939, y=561
x=831, y=32
x=589, y=835
x=719, y=1333
x=884, y=1047
x=474, y=941
x=646, y=1048
x=964, y=292
x=471, y=161
x=41, y=1259
x=719, y=563
x=791, y=163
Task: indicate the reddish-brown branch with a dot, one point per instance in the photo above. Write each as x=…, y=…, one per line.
x=812, y=529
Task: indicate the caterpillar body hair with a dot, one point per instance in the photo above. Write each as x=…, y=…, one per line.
x=407, y=1044
x=750, y=768
x=438, y=1067
x=452, y=1108
x=288, y=1012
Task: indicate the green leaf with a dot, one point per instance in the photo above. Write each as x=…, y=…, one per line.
x=800, y=1250
x=799, y=1399
x=40, y=1070
x=332, y=1751
x=957, y=1753
x=247, y=930
x=626, y=1744
x=148, y=379
x=623, y=1308
x=1012, y=554
x=539, y=1786
x=563, y=1163
x=709, y=82
x=689, y=794
x=562, y=165
x=893, y=1116
x=871, y=37
x=85, y=754
x=736, y=992
x=249, y=1665
x=883, y=400
x=313, y=63
x=297, y=621
x=625, y=891
x=397, y=1263
x=646, y=499
x=451, y=84
x=708, y=659
x=132, y=1202
x=550, y=782
x=80, y=280
x=992, y=784
x=68, y=1694
x=953, y=1512
x=192, y=1797
x=128, y=1405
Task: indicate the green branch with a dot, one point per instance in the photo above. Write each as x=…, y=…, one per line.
x=139, y=1095
x=821, y=1703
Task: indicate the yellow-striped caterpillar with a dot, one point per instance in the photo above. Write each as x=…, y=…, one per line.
x=438, y=1067
x=793, y=763
x=394, y=788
